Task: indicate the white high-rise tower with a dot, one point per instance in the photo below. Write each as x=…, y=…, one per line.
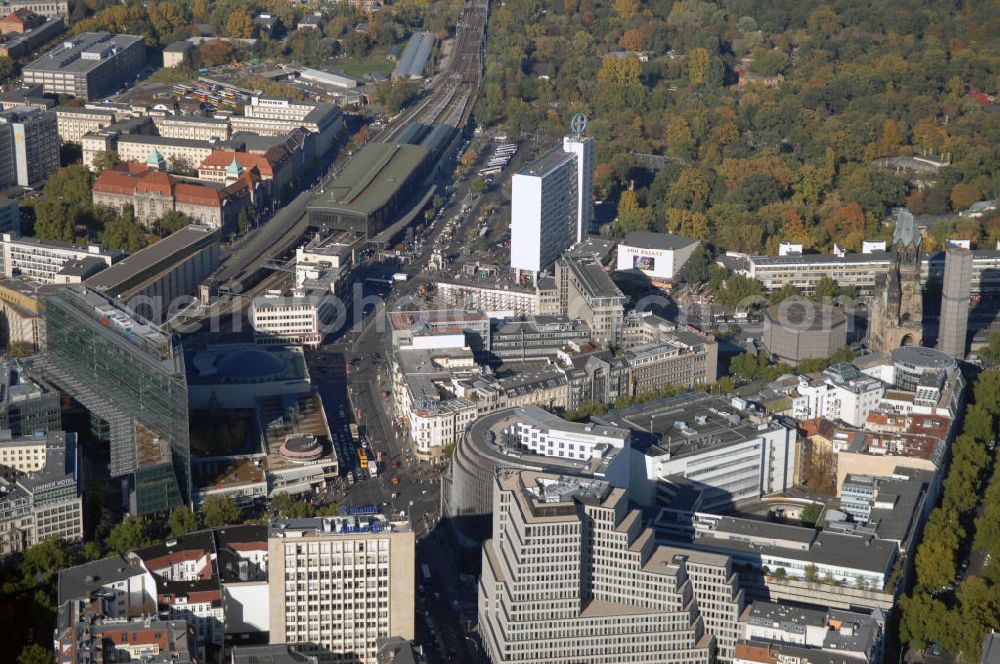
x=583, y=148
x=552, y=203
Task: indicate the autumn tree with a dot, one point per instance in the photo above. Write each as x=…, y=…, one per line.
x=846, y=226
x=123, y=233
x=218, y=511
x=240, y=25
x=128, y=535
x=698, y=60
x=687, y=223
x=215, y=52
x=963, y=195
x=105, y=160
x=626, y=9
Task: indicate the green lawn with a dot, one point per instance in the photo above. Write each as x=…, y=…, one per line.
x=361, y=66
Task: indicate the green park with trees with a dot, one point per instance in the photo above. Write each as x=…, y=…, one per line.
x=747, y=165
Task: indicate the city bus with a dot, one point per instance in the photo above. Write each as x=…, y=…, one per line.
x=362, y=458
x=355, y=436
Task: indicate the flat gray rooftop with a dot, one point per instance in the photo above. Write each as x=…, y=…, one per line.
x=82, y=53
x=173, y=247
x=690, y=422
x=547, y=163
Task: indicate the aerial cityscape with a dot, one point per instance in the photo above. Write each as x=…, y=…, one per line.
x=459, y=331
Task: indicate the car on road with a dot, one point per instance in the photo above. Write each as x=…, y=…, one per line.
x=395, y=480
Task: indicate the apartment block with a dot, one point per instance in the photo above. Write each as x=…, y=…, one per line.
x=212, y=583
x=684, y=357
x=491, y=295
x=571, y=575
x=83, y=633
x=598, y=375
x=340, y=584
x=536, y=337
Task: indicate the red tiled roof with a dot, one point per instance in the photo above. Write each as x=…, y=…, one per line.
x=755, y=653
x=126, y=179
x=220, y=159
x=175, y=557
x=20, y=17
x=131, y=177
x=198, y=195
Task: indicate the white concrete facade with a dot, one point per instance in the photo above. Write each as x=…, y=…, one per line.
x=583, y=148
x=544, y=216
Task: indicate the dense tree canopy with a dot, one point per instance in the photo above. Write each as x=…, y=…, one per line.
x=748, y=163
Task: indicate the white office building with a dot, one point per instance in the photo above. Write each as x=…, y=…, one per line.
x=299, y=319
x=549, y=435
x=339, y=584
x=841, y=393
x=52, y=262
x=551, y=206
x=583, y=148
x=721, y=448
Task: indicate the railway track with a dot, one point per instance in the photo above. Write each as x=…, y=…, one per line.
x=455, y=93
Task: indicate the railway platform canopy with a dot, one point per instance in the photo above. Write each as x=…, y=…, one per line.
x=368, y=193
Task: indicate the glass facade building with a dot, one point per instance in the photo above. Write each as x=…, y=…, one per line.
x=27, y=404
x=130, y=374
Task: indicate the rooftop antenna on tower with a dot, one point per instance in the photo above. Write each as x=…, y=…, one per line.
x=578, y=124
